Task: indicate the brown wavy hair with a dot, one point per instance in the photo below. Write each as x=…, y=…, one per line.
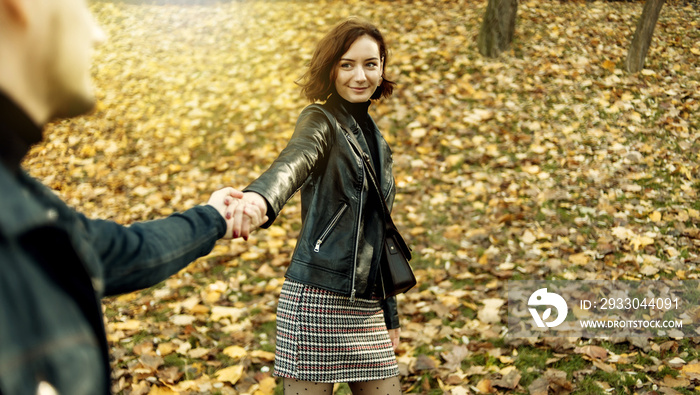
x=318, y=83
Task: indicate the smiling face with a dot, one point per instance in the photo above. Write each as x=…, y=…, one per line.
x=359, y=71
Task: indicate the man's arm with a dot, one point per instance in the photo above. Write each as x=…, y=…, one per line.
x=146, y=253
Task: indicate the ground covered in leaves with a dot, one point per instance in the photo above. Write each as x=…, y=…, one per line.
x=549, y=162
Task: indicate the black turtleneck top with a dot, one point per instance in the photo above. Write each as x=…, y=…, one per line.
x=17, y=133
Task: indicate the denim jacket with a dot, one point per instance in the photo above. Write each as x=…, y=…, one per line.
x=56, y=265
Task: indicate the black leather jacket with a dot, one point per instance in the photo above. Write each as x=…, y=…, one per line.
x=342, y=232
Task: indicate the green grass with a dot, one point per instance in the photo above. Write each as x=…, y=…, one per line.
x=531, y=362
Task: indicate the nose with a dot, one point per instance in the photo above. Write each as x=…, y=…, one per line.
x=98, y=35
x=360, y=75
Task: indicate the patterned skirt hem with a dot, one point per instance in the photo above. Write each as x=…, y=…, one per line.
x=323, y=337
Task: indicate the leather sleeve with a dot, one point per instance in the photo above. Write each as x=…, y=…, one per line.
x=391, y=313
x=309, y=144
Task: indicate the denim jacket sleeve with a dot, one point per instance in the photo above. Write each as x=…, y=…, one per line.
x=145, y=253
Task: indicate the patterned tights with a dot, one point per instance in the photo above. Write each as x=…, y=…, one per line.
x=390, y=386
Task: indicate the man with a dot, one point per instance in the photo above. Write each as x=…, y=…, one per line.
x=55, y=264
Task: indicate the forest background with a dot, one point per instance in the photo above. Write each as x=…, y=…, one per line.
x=548, y=162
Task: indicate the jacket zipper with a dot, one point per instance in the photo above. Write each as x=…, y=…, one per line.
x=357, y=235
x=330, y=227
x=357, y=246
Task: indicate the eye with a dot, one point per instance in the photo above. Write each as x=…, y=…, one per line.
x=346, y=65
x=372, y=65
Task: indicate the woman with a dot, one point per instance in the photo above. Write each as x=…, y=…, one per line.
x=334, y=323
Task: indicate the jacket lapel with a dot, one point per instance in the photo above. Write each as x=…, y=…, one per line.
x=348, y=124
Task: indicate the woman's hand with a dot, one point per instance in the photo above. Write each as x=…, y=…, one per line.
x=221, y=200
x=394, y=335
x=246, y=214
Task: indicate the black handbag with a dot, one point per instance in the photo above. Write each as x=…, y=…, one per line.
x=395, y=271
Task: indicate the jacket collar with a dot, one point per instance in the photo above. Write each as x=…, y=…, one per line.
x=338, y=107
x=17, y=133
x=343, y=111
x=21, y=211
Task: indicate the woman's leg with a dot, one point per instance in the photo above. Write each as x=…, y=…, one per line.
x=298, y=387
x=390, y=386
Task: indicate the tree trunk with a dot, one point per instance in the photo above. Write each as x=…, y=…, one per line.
x=642, y=36
x=498, y=27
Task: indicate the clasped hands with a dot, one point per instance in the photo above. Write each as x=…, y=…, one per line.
x=242, y=211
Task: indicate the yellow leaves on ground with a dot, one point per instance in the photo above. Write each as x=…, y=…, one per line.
x=261, y=355
x=128, y=325
x=266, y=387
x=609, y=65
x=635, y=241
x=219, y=312
x=231, y=374
x=593, y=352
x=155, y=390
x=693, y=368
x=235, y=352
x=490, y=312
x=580, y=259
x=655, y=216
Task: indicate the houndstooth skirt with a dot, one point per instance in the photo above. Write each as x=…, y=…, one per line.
x=322, y=337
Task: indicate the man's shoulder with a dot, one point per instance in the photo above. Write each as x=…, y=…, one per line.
x=21, y=203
